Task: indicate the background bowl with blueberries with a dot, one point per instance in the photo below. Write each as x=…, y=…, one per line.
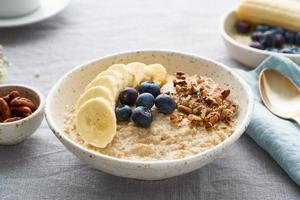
x=250, y=43
x=270, y=38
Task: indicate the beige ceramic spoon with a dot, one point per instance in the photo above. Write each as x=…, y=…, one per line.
x=279, y=94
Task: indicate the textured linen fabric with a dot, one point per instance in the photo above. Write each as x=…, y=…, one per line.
x=42, y=168
x=279, y=137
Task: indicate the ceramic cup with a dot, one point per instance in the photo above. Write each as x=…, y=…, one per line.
x=16, y=8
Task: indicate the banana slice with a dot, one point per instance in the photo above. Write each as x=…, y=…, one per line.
x=126, y=76
x=107, y=81
x=137, y=69
x=93, y=92
x=156, y=72
x=96, y=122
x=117, y=75
x=276, y=13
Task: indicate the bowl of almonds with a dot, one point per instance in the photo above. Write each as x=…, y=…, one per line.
x=21, y=112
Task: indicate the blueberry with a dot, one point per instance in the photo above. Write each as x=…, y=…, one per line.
x=278, y=30
x=146, y=100
x=289, y=37
x=267, y=40
x=279, y=40
x=149, y=87
x=165, y=104
x=123, y=113
x=287, y=50
x=272, y=49
x=297, y=39
x=262, y=28
x=243, y=27
x=256, y=45
x=128, y=96
x=256, y=35
x=142, y=116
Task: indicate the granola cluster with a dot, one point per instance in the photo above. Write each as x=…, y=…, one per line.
x=201, y=101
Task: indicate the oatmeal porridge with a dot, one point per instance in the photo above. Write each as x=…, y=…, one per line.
x=203, y=116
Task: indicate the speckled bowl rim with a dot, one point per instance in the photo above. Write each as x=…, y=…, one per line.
x=218, y=148
x=38, y=110
x=227, y=37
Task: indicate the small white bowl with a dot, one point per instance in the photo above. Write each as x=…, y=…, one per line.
x=16, y=8
x=242, y=53
x=15, y=132
x=67, y=90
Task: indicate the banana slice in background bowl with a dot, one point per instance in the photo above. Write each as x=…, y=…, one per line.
x=71, y=86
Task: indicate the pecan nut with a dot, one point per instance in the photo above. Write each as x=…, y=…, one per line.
x=23, y=111
x=227, y=115
x=184, y=109
x=193, y=117
x=210, y=101
x=192, y=89
x=6, y=98
x=173, y=117
x=13, y=94
x=12, y=119
x=195, y=120
x=179, y=82
x=225, y=93
x=21, y=101
x=180, y=73
x=213, y=117
x=4, y=109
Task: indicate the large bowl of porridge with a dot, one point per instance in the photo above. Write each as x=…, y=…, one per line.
x=173, y=144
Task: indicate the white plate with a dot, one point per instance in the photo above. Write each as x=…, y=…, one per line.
x=244, y=54
x=70, y=86
x=47, y=9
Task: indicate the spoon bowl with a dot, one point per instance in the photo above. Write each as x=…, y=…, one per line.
x=279, y=94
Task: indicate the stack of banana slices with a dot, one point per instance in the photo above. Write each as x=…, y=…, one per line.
x=95, y=109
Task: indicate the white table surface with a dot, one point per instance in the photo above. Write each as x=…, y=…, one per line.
x=42, y=168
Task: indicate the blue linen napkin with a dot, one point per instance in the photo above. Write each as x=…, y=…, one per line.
x=279, y=137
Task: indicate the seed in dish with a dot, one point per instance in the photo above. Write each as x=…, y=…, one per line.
x=153, y=115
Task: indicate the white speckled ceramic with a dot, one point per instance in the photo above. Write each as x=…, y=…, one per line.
x=47, y=9
x=16, y=8
x=15, y=132
x=244, y=54
x=70, y=86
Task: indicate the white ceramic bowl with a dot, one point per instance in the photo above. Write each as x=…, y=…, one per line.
x=15, y=132
x=16, y=8
x=70, y=86
x=244, y=54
